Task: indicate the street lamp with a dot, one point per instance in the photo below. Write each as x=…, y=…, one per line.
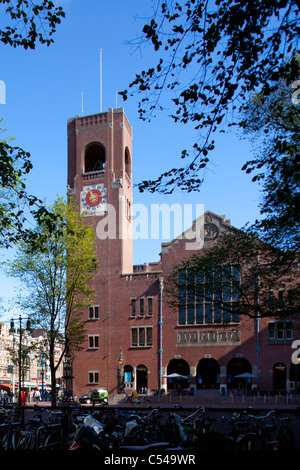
x=12, y=330
x=120, y=372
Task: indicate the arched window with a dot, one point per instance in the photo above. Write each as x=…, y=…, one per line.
x=127, y=162
x=94, y=158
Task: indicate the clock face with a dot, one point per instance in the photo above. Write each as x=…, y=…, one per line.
x=93, y=200
x=93, y=197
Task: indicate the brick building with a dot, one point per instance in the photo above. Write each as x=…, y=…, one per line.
x=134, y=339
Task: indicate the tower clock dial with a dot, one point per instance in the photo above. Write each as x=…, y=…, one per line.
x=93, y=200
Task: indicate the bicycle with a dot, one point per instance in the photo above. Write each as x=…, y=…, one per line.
x=11, y=438
x=29, y=439
x=284, y=436
x=244, y=434
x=53, y=437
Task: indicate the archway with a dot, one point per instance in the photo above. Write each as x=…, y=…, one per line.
x=127, y=162
x=128, y=376
x=181, y=367
x=141, y=378
x=236, y=367
x=94, y=159
x=279, y=376
x=208, y=373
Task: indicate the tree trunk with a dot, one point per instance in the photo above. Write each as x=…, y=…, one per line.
x=53, y=387
x=52, y=372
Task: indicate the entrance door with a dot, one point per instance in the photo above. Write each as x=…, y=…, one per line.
x=279, y=376
x=208, y=373
x=180, y=367
x=236, y=367
x=142, y=378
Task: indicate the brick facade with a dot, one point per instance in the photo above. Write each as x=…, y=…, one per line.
x=133, y=337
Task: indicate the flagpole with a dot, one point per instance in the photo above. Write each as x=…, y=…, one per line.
x=100, y=80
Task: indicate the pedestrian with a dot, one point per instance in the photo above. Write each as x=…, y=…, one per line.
x=37, y=395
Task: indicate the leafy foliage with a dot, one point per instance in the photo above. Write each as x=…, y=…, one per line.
x=212, y=54
x=31, y=22
x=16, y=205
x=273, y=124
x=264, y=271
x=55, y=274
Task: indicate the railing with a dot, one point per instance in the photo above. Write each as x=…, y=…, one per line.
x=93, y=175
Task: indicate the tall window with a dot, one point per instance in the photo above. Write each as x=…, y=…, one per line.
x=94, y=312
x=142, y=305
x=94, y=157
x=93, y=342
x=150, y=306
x=206, y=297
x=93, y=377
x=127, y=162
x=133, y=307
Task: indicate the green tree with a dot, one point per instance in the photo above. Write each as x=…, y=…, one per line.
x=29, y=23
x=16, y=205
x=212, y=55
x=272, y=123
x=55, y=276
x=239, y=275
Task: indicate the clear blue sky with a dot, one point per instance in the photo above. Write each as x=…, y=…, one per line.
x=43, y=90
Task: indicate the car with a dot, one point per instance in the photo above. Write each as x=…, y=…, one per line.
x=97, y=395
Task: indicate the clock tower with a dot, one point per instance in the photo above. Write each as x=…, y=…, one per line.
x=100, y=180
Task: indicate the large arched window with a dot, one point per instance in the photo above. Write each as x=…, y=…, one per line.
x=127, y=162
x=94, y=158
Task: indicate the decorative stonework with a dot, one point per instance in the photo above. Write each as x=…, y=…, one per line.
x=220, y=337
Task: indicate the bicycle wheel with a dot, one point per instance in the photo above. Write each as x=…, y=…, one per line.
x=54, y=441
x=26, y=441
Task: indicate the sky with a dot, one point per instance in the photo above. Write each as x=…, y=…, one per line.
x=47, y=86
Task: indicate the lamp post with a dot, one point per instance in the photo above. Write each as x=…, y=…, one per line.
x=120, y=372
x=12, y=331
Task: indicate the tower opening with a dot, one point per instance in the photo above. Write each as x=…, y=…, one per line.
x=127, y=162
x=94, y=158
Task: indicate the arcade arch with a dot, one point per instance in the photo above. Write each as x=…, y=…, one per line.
x=236, y=367
x=208, y=373
x=180, y=367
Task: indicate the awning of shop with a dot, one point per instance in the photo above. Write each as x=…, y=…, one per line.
x=6, y=386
